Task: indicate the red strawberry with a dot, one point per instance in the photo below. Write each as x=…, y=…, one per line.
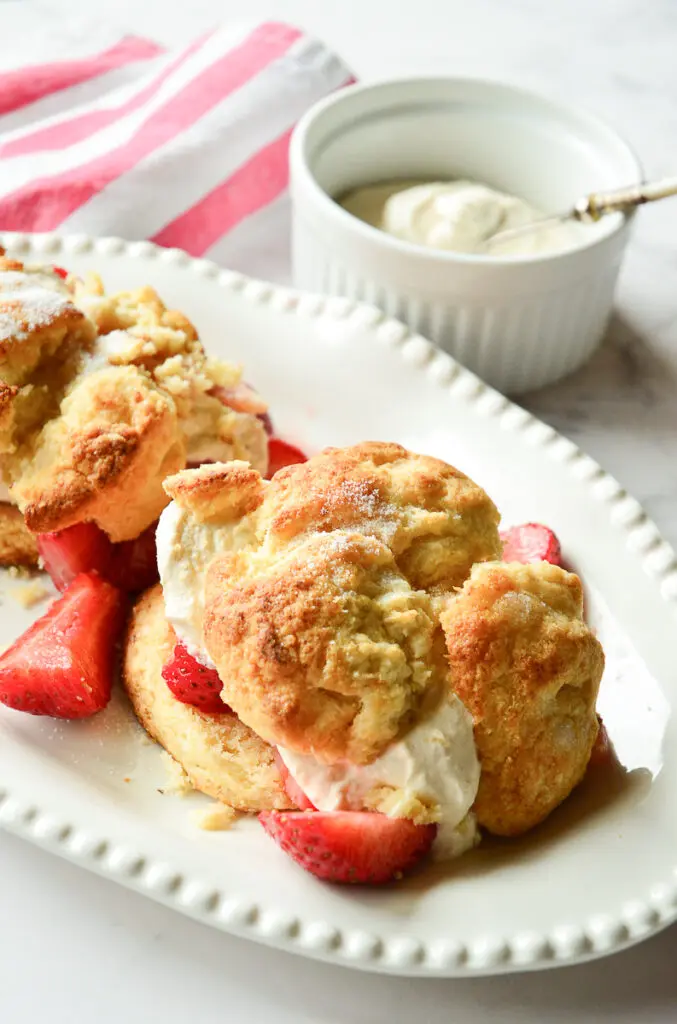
x=531, y=542
x=63, y=664
x=602, y=752
x=281, y=454
x=294, y=791
x=193, y=683
x=60, y=271
x=80, y=548
x=349, y=846
x=134, y=563
x=130, y=565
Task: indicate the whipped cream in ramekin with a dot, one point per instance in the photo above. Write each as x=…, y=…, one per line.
x=434, y=764
x=457, y=216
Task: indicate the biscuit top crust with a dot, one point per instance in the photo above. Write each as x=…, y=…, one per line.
x=435, y=520
x=318, y=616
x=104, y=457
x=36, y=312
x=528, y=668
x=219, y=415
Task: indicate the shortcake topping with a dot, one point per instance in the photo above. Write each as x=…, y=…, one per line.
x=528, y=668
x=104, y=458
x=219, y=416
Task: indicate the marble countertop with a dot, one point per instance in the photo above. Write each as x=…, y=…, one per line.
x=617, y=60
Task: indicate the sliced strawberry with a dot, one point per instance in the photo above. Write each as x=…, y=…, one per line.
x=602, y=752
x=281, y=454
x=80, y=548
x=193, y=683
x=349, y=846
x=531, y=542
x=63, y=664
x=293, y=790
x=134, y=563
x=130, y=565
x=60, y=271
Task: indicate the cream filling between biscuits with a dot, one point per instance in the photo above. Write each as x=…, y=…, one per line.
x=185, y=547
x=434, y=767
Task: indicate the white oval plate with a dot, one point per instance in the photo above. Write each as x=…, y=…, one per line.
x=600, y=875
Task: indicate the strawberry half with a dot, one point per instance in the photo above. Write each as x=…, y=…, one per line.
x=292, y=788
x=353, y=847
x=60, y=271
x=281, y=454
x=531, y=542
x=134, y=563
x=63, y=664
x=130, y=565
x=80, y=548
x=193, y=683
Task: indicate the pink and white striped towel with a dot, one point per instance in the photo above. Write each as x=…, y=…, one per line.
x=187, y=148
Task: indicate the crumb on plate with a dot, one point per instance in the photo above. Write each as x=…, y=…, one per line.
x=217, y=818
x=31, y=593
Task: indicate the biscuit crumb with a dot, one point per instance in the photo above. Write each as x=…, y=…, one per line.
x=217, y=818
x=19, y=572
x=178, y=782
x=31, y=594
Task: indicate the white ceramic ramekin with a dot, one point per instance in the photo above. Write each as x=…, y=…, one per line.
x=518, y=322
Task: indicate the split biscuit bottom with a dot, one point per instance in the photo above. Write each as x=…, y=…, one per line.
x=221, y=756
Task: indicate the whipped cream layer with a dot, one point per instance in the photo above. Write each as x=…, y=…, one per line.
x=435, y=765
x=185, y=548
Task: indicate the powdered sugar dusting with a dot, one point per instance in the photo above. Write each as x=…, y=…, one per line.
x=358, y=501
x=27, y=309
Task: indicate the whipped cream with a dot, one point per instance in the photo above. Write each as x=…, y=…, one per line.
x=185, y=548
x=435, y=764
x=457, y=216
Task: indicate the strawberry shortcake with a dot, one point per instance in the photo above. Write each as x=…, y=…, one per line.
x=345, y=645
x=345, y=632
x=101, y=398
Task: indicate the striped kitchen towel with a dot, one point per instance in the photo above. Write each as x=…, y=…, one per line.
x=187, y=148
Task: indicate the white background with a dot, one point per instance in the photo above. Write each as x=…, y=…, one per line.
x=74, y=948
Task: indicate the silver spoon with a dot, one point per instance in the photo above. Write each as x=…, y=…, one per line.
x=592, y=208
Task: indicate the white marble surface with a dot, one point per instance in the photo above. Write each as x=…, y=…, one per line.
x=104, y=953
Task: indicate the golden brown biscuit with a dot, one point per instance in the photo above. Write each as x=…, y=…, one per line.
x=104, y=458
x=220, y=755
x=327, y=651
x=218, y=414
x=43, y=336
x=528, y=669
x=317, y=613
x=435, y=520
x=17, y=543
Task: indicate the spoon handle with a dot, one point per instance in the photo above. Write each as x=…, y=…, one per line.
x=594, y=206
